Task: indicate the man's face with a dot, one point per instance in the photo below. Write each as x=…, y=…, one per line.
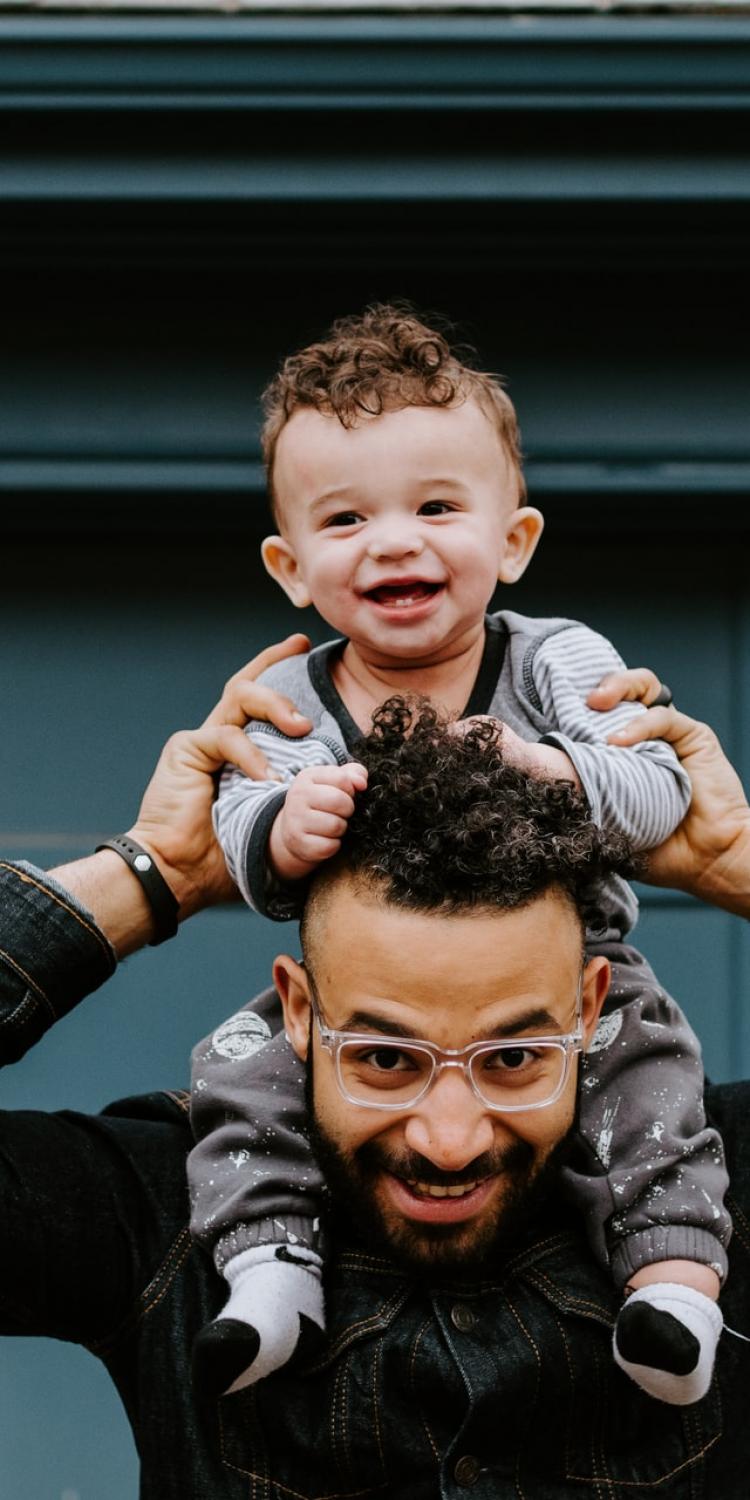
x=397, y=529
x=449, y=980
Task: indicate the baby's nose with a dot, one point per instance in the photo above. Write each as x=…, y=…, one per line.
x=396, y=539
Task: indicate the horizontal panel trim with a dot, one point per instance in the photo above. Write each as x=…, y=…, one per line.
x=246, y=476
x=361, y=179
x=374, y=62
x=30, y=843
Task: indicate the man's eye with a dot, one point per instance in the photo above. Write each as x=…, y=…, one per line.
x=343, y=518
x=511, y=1059
x=386, y=1060
x=436, y=508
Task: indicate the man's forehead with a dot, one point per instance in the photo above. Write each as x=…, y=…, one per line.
x=365, y=952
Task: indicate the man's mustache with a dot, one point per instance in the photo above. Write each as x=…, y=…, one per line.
x=374, y=1157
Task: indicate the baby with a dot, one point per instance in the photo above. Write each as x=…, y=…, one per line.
x=395, y=475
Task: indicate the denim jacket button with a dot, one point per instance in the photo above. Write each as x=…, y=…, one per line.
x=467, y=1471
x=462, y=1317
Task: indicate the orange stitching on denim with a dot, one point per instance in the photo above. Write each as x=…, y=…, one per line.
x=33, y=986
x=412, y=1376
x=738, y=1218
x=373, y=1324
x=298, y=1494
x=650, y=1484
x=168, y=1272
x=52, y=895
x=567, y=1300
x=17, y=1018
x=341, y=1410
x=376, y=1400
x=172, y=1263
x=515, y=1314
x=180, y=1097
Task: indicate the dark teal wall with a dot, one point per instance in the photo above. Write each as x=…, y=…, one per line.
x=181, y=202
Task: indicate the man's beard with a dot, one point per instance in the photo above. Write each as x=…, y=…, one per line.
x=465, y=1248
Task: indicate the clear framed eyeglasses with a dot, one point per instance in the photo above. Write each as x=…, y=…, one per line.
x=388, y=1072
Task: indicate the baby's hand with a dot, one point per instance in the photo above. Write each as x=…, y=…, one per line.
x=538, y=760
x=313, y=820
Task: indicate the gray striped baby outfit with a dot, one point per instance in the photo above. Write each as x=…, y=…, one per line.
x=647, y=1172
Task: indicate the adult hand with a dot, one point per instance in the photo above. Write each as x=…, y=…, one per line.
x=709, y=854
x=174, y=822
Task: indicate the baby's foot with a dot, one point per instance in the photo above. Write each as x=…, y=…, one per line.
x=665, y=1339
x=275, y=1311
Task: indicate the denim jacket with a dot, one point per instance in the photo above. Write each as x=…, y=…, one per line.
x=505, y=1388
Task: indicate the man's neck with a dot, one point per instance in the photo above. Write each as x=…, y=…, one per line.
x=365, y=680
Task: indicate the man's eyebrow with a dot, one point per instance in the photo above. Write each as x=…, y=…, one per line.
x=538, y=1020
x=364, y=1020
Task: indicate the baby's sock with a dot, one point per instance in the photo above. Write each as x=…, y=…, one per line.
x=275, y=1310
x=665, y=1339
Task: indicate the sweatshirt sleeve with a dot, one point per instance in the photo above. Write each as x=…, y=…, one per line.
x=245, y=811
x=642, y=792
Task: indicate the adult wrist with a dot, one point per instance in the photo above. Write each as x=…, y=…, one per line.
x=728, y=883
x=161, y=900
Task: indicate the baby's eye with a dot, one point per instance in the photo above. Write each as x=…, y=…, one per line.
x=343, y=518
x=436, y=508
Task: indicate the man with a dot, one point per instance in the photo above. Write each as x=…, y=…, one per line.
x=433, y=1380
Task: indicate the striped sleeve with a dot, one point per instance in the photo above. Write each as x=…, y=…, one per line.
x=642, y=792
x=245, y=811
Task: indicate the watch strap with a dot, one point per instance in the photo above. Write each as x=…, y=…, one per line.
x=164, y=904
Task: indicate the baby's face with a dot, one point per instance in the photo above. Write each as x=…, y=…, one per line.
x=398, y=529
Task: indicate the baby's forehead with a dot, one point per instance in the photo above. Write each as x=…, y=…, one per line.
x=316, y=449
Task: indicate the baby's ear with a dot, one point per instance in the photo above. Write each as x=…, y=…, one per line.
x=523, y=531
x=280, y=560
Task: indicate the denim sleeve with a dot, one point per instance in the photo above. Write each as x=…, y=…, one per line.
x=52, y=955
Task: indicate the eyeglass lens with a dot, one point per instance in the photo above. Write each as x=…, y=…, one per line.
x=393, y=1073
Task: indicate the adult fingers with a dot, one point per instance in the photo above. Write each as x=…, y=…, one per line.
x=662, y=723
x=243, y=698
x=633, y=685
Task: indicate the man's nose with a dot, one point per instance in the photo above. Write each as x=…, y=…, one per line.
x=451, y=1126
x=395, y=537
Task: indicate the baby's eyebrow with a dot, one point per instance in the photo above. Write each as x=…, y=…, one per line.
x=332, y=497
x=451, y=481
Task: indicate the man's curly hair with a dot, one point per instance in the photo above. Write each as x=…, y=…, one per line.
x=384, y=359
x=446, y=824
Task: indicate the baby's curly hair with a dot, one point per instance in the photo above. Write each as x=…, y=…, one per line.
x=446, y=824
x=381, y=360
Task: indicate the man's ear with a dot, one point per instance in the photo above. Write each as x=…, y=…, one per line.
x=294, y=992
x=523, y=531
x=596, y=979
x=280, y=560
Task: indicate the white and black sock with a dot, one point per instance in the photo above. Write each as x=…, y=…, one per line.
x=665, y=1339
x=275, y=1311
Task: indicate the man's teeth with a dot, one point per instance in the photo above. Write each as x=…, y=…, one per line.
x=431, y=1190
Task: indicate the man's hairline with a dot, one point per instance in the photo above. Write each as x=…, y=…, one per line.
x=375, y=888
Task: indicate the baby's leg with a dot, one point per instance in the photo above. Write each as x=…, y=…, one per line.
x=650, y=1176
x=254, y=1188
